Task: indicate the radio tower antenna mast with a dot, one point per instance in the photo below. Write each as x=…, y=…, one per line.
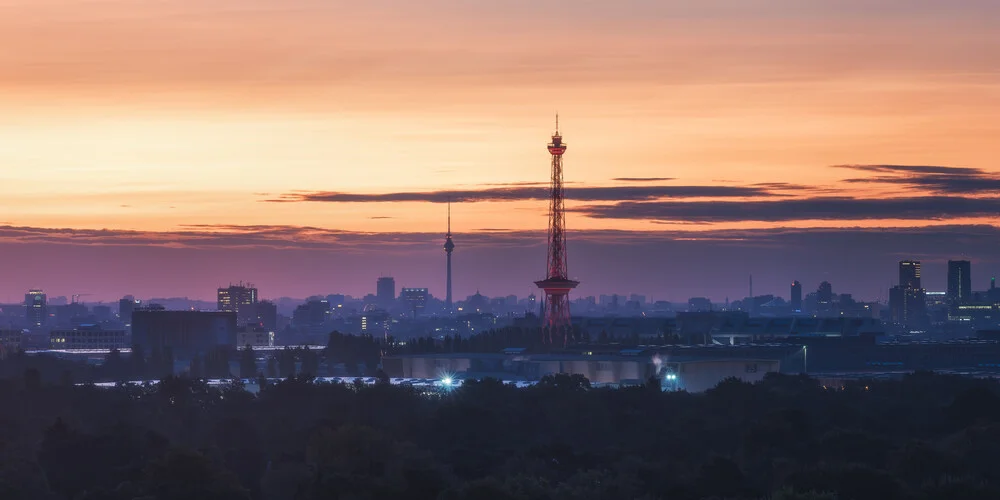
x=557, y=284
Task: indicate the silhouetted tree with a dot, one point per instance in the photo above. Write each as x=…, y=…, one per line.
x=310, y=362
x=286, y=362
x=248, y=362
x=137, y=362
x=186, y=475
x=32, y=379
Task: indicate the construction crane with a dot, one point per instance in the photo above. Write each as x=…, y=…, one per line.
x=76, y=296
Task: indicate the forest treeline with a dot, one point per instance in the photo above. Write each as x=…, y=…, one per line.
x=926, y=436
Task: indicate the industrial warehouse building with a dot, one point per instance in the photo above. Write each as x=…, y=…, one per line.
x=629, y=366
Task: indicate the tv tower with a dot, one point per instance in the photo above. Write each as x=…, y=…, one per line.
x=449, y=246
x=557, y=285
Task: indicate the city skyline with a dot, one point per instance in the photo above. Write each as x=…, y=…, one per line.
x=173, y=146
x=939, y=282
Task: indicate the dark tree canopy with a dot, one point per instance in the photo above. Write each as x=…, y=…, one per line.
x=923, y=437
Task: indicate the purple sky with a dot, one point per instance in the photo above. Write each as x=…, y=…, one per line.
x=297, y=262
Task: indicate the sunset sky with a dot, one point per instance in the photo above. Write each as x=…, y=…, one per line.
x=166, y=147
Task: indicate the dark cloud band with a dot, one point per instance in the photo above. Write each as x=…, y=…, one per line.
x=531, y=193
x=819, y=208
x=931, y=179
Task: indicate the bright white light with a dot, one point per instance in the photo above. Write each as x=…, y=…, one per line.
x=446, y=381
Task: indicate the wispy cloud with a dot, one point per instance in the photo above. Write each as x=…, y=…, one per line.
x=932, y=179
x=598, y=193
x=642, y=179
x=223, y=236
x=817, y=208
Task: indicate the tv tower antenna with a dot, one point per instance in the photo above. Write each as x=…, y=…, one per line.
x=557, y=284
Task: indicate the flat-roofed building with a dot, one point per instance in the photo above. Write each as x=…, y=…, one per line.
x=255, y=337
x=183, y=331
x=88, y=337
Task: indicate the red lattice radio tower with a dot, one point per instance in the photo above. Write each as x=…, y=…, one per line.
x=557, y=285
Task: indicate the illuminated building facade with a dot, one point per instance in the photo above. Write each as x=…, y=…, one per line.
x=36, y=310
x=416, y=298
x=242, y=300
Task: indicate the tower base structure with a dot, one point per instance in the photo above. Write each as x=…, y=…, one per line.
x=557, y=321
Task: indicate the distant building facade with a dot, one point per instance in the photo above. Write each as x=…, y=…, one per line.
x=126, y=306
x=416, y=298
x=311, y=318
x=36, y=309
x=907, y=300
x=375, y=322
x=255, y=338
x=959, y=281
x=796, y=296
x=10, y=341
x=88, y=337
x=240, y=299
x=385, y=291
x=909, y=274
x=183, y=331
x=699, y=304
x=266, y=316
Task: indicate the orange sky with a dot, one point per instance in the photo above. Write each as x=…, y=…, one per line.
x=156, y=114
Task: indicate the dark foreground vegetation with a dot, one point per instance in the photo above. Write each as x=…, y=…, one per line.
x=925, y=437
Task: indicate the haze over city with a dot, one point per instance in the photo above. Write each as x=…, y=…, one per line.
x=168, y=148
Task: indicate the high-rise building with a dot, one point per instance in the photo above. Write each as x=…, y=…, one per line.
x=908, y=301
x=908, y=306
x=266, y=316
x=240, y=299
x=126, y=306
x=36, y=308
x=824, y=294
x=909, y=274
x=416, y=298
x=385, y=291
x=796, y=296
x=312, y=317
x=959, y=281
x=449, y=246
